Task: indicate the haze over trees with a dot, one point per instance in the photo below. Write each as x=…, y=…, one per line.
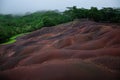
x=11, y=25
x=103, y=15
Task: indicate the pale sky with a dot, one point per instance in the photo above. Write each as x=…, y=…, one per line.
x=23, y=6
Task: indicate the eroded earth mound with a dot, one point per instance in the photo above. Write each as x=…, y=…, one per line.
x=78, y=50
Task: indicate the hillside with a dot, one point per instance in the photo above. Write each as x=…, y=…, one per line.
x=78, y=50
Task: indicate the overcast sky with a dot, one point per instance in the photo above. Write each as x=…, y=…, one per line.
x=23, y=6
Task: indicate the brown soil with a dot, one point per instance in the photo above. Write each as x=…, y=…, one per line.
x=78, y=50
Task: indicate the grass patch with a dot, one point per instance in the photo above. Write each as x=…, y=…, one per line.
x=13, y=39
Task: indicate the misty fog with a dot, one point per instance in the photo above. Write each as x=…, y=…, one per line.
x=23, y=6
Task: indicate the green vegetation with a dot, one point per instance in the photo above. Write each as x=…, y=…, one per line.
x=101, y=15
x=11, y=25
x=13, y=38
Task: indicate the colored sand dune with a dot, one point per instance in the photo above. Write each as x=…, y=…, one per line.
x=78, y=50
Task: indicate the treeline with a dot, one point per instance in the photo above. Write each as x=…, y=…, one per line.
x=101, y=15
x=11, y=25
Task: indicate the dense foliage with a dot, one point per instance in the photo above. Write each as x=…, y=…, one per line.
x=101, y=15
x=11, y=25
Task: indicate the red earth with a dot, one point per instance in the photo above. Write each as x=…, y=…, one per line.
x=78, y=50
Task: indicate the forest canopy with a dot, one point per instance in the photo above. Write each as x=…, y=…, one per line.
x=11, y=25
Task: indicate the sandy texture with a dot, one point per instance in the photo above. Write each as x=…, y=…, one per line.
x=78, y=50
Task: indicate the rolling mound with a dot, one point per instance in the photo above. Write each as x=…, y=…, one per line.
x=78, y=50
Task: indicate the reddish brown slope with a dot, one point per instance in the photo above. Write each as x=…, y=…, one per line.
x=79, y=50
